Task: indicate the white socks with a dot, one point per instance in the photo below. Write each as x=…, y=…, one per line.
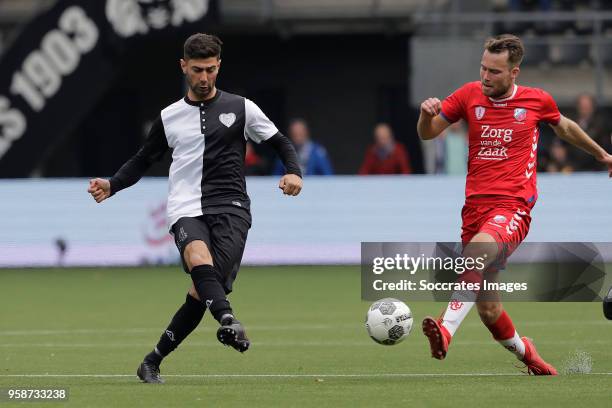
x=458, y=308
x=514, y=345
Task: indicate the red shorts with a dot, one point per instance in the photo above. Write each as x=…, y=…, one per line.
x=505, y=219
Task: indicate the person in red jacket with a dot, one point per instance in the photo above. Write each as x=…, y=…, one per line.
x=385, y=156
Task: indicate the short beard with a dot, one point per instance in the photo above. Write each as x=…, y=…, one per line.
x=197, y=92
x=497, y=95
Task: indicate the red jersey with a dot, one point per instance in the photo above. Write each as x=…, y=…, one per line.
x=503, y=138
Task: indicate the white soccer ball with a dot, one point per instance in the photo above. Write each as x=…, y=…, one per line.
x=388, y=321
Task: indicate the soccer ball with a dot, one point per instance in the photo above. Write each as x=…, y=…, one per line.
x=388, y=321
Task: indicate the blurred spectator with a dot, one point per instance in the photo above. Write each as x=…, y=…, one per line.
x=452, y=150
x=62, y=247
x=385, y=156
x=254, y=164
x=312, y=156
x=557, y=160
x=594, y=124
x=530, y=5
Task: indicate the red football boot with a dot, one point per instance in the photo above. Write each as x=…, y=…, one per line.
x=535, y=364
x=438, y=337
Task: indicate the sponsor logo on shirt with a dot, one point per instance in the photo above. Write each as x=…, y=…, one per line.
x=496, y=133
x=492, y=142
x=493, y=153
x=480, y=111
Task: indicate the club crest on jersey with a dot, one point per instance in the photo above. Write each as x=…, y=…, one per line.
x=500, y=219
x=227, y=119
x=480, y=111
x=520, y=114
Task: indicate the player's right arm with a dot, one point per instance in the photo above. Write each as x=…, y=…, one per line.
x=431, y=123
x=571, y=132
x=151, y=151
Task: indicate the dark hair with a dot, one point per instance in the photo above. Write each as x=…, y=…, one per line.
x=295, y=121
x=202, y=46
x=507, y=42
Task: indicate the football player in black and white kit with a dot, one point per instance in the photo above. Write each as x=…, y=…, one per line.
x=208, y=206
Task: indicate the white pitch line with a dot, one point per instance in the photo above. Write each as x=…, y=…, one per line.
x=329, y=343
x=373, y=375
x=77, y=331
x=39, y=332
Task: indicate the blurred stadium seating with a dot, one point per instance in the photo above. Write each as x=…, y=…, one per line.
x=569, y=50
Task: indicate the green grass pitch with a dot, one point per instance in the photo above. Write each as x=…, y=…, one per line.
x=88, y=329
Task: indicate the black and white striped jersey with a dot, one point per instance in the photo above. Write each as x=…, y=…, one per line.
x=208, y=143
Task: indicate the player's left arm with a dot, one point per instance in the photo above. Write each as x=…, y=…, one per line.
x=571, y=132
x=259, y=129
x=291, y=182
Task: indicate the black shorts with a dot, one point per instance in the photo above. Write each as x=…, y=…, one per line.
x=225, y=236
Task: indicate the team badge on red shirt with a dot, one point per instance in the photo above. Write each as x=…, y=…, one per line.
x=520, y=114
x=480, y=111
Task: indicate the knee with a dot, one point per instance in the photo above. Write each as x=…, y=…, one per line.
x=483, y=247
x=489, y=311
x=196, y=256
x=196, y=259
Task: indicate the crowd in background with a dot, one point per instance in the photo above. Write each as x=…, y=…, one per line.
x=447, y=154
x=384, y=156
x=562, y=157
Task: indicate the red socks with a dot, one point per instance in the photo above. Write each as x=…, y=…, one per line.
x=503, y=328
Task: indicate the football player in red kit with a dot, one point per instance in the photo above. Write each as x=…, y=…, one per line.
x=500, y=188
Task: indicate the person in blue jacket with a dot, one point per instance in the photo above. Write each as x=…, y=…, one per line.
x=312, y=157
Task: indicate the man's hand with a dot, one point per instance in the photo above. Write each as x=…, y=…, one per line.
x=99, y=189
x=607, y=160
x=431, y=107
x=291, y=184
x=431, y=123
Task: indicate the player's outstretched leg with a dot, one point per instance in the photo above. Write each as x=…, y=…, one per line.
x=207, y=283
x=535, y=364
x=182, y=324
x=232, y=333
x=148, y=372
x=440, y=332
x=501, y=327
x=438, y=336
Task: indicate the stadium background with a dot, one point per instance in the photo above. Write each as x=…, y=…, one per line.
x=343, y=66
